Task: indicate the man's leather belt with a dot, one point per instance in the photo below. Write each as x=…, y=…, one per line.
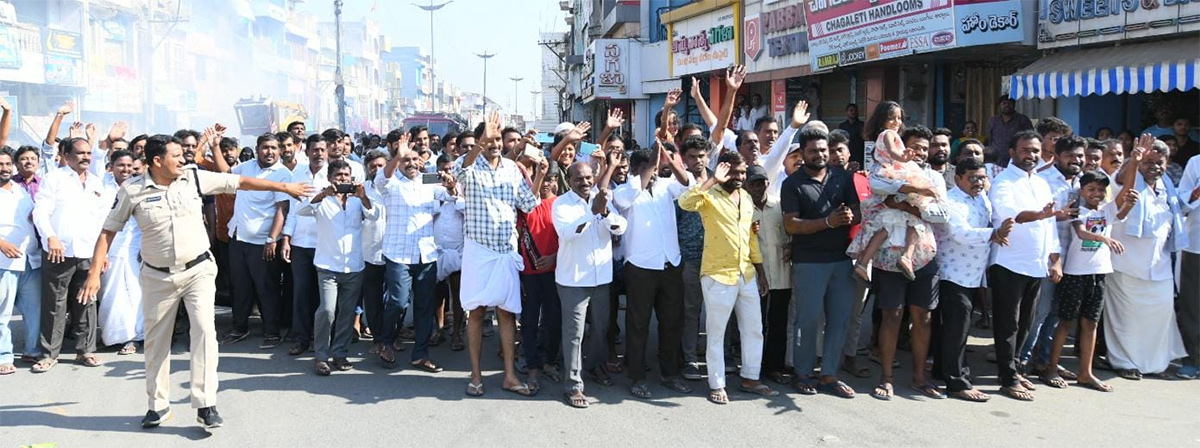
x=191, y=264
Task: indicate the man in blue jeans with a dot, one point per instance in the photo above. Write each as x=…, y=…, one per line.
x=20, y=265
x=819, y=204
x=409, y=251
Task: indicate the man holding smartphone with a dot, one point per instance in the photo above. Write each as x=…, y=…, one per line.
x=409, y=252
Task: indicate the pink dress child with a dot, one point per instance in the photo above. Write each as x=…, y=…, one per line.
x=891, y=163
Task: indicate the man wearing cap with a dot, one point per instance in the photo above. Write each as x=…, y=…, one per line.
x=771, y=238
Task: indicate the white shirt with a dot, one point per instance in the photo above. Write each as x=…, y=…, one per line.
x=302, y=230
x=758, y=112
x=1061, y=190
x=254, y=211
x=651, y=241
x=410, y=208
x=584, y=256
x=772, y=238
x=357, y=172
x=962, y=243
x=72, y=210
x=16, y=227
x=1191, y=210
x=773, y=161
x=745, y=123
x=340, y=247
x=1147, y=257
x=1030, y=244
x=1091, y=257
x=372, y=232
x=448, y=224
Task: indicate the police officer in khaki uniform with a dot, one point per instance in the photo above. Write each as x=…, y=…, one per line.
x=176, y=266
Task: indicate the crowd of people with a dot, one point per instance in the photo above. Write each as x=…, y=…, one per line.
x=767, y=238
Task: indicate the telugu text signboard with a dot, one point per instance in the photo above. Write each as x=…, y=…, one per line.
x=984, y=22
x=1079, y=22
x=608, y=74
x=707, y=42
x=845, y=32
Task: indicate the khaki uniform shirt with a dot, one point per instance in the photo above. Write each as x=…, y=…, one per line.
x=171, y=217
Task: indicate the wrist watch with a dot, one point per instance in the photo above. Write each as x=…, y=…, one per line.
x=270, y=239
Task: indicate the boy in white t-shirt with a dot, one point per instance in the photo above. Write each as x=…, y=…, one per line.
x=1080, y=293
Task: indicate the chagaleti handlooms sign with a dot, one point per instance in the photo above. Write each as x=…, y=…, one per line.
x=706, y=42
x=844, y=32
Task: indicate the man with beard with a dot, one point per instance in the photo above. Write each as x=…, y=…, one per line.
x=257, y=223
x=691, y=250
x=69, y=211
x=299, y=246
x=1016, y=271
x=777, y=304
x=840, y=156
x=1001, y=128
x=1051, y=129
x=138, y=145
x=653, y=262
x=191, y=141
x=1063, y=179
x=28, y=160
x=20, y=265
x=493, y=188
x=939, y=154
x=785, y=158
x=731, y=273
x=819, y=204
x=120, y=304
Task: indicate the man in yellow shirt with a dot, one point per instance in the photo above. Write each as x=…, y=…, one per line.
x=731, y=273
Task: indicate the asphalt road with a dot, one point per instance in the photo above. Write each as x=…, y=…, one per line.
x=271, y=399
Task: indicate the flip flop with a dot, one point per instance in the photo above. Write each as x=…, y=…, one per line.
x=929, y=390
x=474, y=390
x=7, y=369
x=1054, y=380
x=718, y=396
x=322, y=368
x=523, y=390
x=1129, y=374
x=44, y=365
x=971, y=395
x=1096, y=385
x=837, y=389
x=577, y=401
x=550, y=373
x=1017, y=393
x=427, y=366
x=128, y=349
x=886, y=394
x=614, y=368
x=761, y=390
x=805, y=386
x=88, y=360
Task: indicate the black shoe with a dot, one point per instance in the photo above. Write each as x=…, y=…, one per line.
x=155, y=418
x=209, y=417
x=270, y=342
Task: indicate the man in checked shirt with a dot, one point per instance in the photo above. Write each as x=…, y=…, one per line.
x=493, y=188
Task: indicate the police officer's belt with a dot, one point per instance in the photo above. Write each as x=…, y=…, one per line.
x=191, y=264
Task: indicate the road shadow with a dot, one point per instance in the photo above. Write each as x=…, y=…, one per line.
x=38, y=415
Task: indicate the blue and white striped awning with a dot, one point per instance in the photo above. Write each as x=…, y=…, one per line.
x=1138, y=68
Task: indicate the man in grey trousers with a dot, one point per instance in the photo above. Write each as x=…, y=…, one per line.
x=585, y=224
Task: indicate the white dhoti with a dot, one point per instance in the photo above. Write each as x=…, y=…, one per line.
x=120, y=307
x=490, y=278
x=449, y=261
x=1139, y=323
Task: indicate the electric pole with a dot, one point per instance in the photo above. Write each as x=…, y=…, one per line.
x=485, y=56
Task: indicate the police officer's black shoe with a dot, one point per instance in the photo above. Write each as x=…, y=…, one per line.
x=154, y=418
x=209, y=418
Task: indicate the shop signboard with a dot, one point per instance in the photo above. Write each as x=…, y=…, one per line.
x=706, y=42
x=10, y=52
x=1063, y=23
x=64, y=43
x=845, y=32
x=984, y=22
x=607, y=70
x=775, y=36
x=63, y=70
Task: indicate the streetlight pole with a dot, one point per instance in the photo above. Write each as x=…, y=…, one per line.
x=340, y=90
x=533, y=113
x=485, y=56
x=432, y=76
x=516, y=80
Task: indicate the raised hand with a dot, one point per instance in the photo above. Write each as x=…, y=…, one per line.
x=67, y=108
x=735, y=76
x=721, y=174
x=118, y=131
x=450, y=183
x=615, y=119
x=1144, y=143
x=4, y=104
x=90, y=131
x=600, y=202
x=800, y=114
x=695, y=91
x=673, y=96
x=579, y=131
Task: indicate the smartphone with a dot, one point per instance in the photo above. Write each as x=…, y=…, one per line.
x=431, y=178
x=345, y=188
